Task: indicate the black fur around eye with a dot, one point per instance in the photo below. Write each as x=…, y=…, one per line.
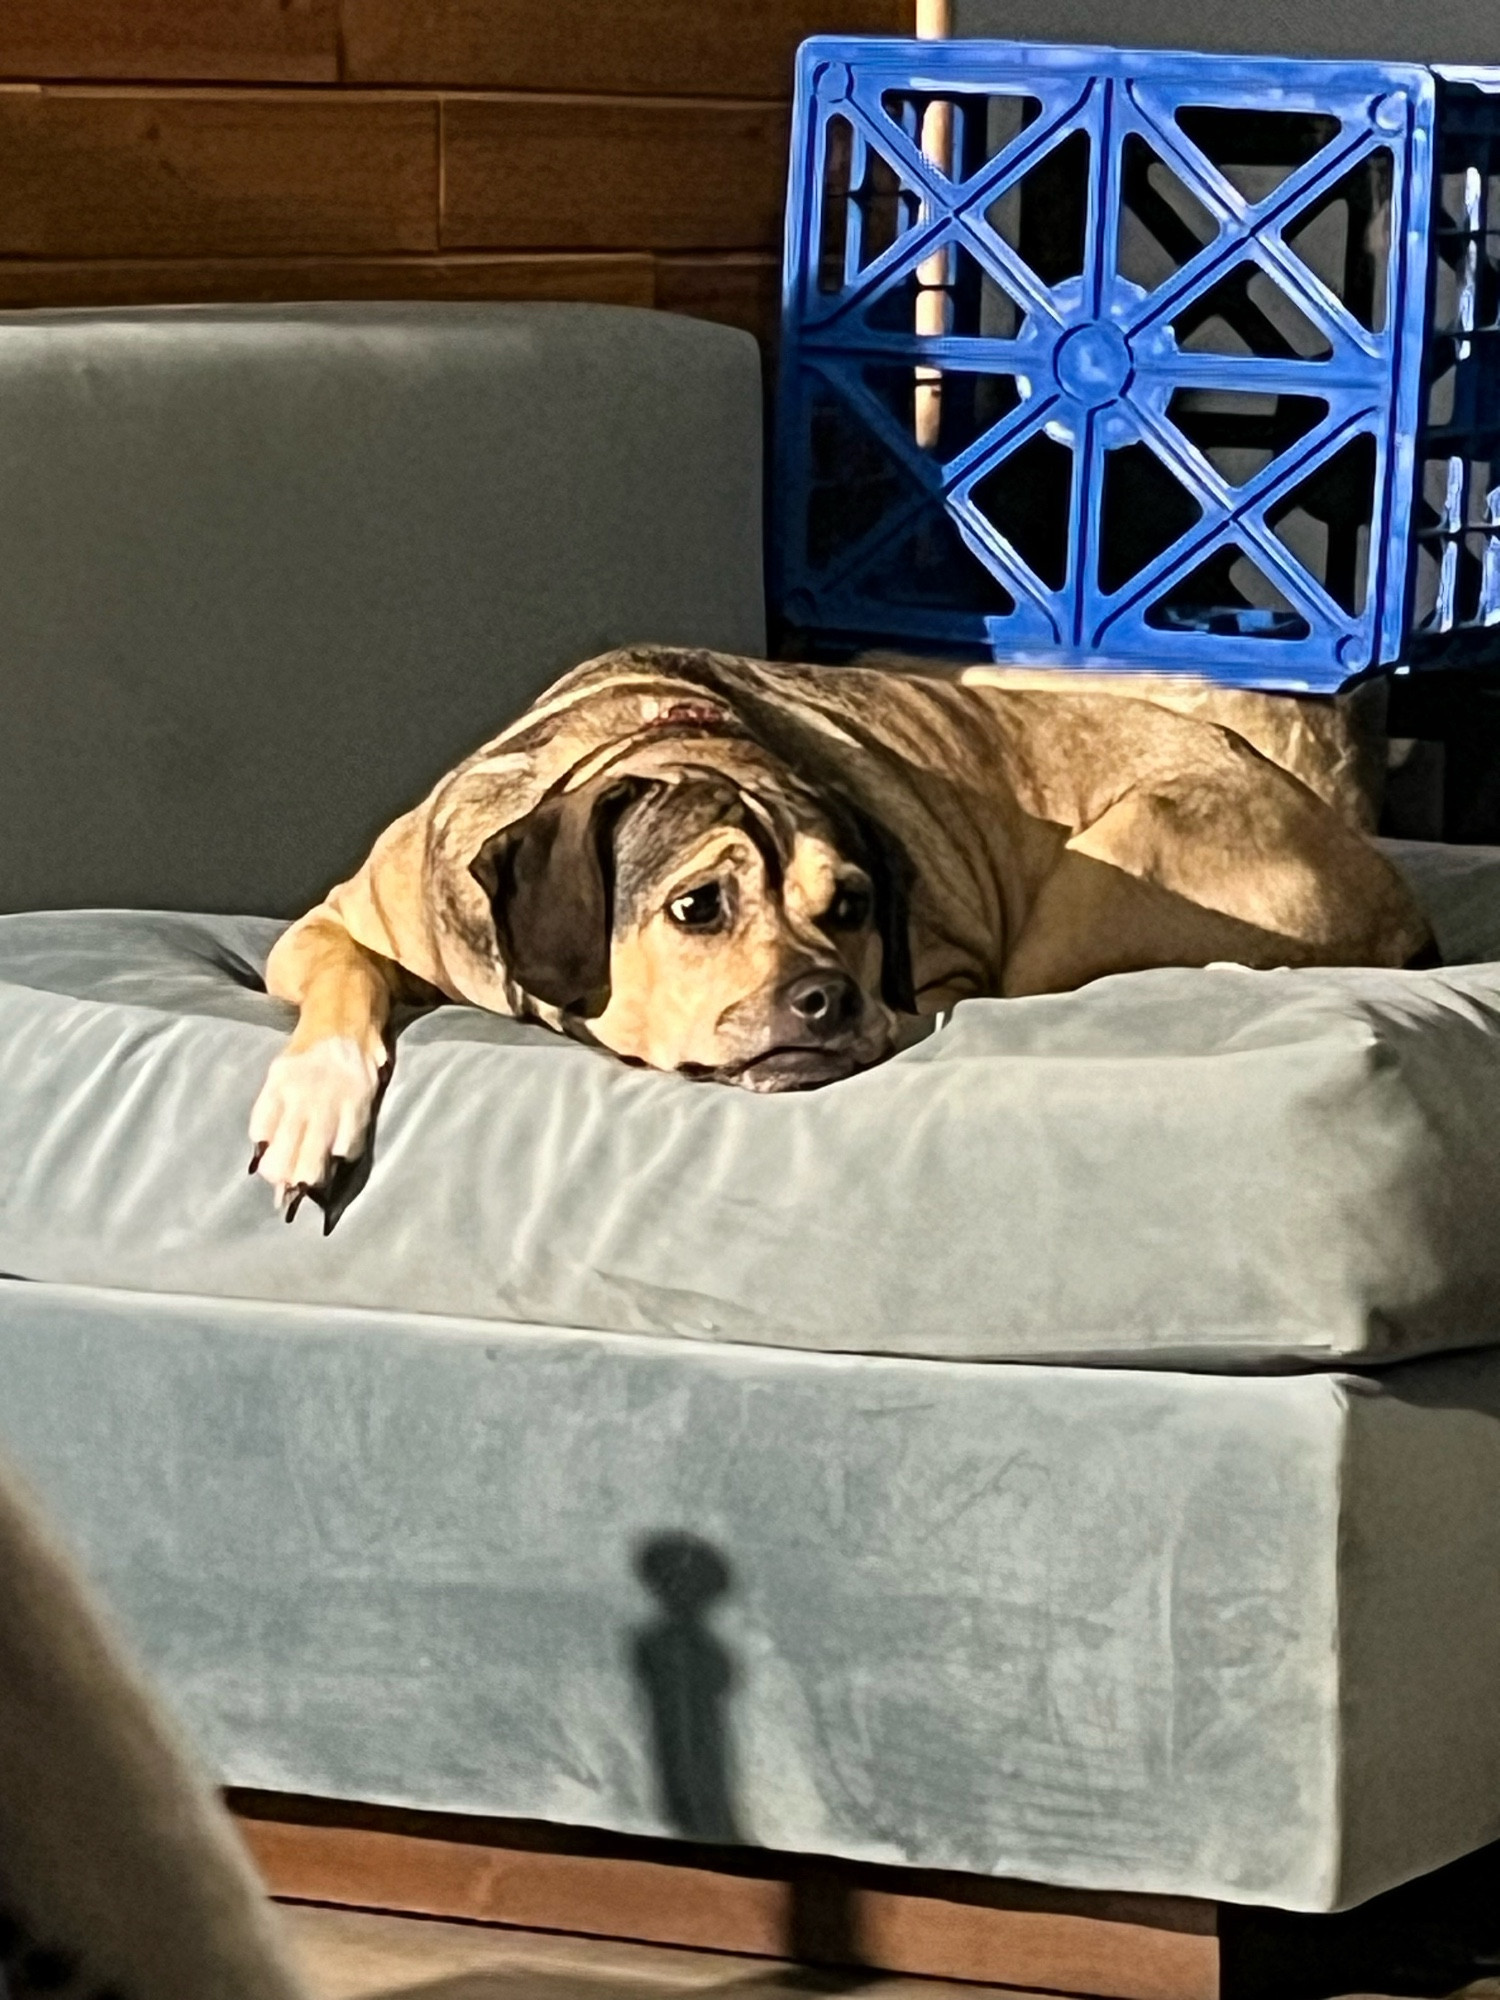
x=700, y=909
x=849, y=910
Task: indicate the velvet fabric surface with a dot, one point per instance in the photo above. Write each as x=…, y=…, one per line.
x=1213, y=1169
x=1228, y=1637
x=269, y=571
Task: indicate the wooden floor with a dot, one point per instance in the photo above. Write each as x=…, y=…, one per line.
x=352, y=1955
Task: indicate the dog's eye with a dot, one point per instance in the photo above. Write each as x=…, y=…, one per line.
x=700, y=909
x=849, y=909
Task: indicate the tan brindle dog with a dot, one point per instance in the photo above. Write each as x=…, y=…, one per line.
x=752, y=873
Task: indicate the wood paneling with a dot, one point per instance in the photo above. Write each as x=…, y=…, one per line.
x=954, y=1927
x=95, y=173
x=624, y=280
x=165, y=151
x=570, y=173
x=739, y=289
x=710, y=48
x=366, y=1955
x=181, y=41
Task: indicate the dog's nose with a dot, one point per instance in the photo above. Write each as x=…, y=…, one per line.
x=822, y=1003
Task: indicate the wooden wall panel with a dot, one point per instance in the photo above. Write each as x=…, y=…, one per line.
x=742, y=289
x=611, y=173
x=171, y=150
x=181, y=41
x=93, y=173
x=709, y=48
x=628, y=279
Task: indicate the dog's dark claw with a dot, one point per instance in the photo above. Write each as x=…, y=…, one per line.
x=257, y=1156
x=299, y=1195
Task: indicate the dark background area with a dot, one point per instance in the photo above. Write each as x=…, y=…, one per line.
x=1454, y=31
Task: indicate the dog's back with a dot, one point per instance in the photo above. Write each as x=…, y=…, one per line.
x=1334, y=745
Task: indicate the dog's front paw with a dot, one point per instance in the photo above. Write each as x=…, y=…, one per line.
x=313, y=1109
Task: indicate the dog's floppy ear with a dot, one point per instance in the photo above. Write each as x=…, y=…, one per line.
x=550, y=883
x=890, y=872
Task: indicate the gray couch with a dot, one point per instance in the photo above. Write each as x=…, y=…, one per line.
x=640, y=1455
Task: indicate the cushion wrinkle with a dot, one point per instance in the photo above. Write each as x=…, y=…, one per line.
x=1214, y=1169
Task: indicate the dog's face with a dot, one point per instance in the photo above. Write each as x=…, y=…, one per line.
x=718, y=919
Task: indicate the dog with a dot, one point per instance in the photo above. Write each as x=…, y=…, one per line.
x=759, y=874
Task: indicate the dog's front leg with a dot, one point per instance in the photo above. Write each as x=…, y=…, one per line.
x=315, y=1105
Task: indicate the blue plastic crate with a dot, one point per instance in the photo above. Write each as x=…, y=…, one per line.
x=1208, y=374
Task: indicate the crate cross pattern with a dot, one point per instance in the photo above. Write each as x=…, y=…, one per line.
x=1109, y=357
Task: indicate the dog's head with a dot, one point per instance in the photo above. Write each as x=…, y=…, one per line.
x=705, y=911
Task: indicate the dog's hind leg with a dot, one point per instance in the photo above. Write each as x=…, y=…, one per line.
x=315, y=1105
x=1235, y=860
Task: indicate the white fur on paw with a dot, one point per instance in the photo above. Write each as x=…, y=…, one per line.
x=313, y=1109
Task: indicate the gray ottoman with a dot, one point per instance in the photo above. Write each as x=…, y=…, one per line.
x=1070, y=1452
x=381, y=1511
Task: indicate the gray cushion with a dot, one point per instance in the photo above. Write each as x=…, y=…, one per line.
x=1208, y=1169
x=1459, y=888
x=266, y=572
x=1125, y=1630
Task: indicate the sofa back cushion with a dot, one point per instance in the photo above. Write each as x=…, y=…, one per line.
x=265, y=572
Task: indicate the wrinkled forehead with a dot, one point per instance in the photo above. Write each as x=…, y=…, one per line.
x=700, y=792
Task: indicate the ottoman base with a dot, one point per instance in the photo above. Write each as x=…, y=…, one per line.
x=1429, y=1936
x=1234, y=1639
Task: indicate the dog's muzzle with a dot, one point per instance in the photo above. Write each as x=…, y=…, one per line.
x=818, y=1033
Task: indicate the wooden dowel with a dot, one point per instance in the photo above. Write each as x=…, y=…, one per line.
x=934, y=23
